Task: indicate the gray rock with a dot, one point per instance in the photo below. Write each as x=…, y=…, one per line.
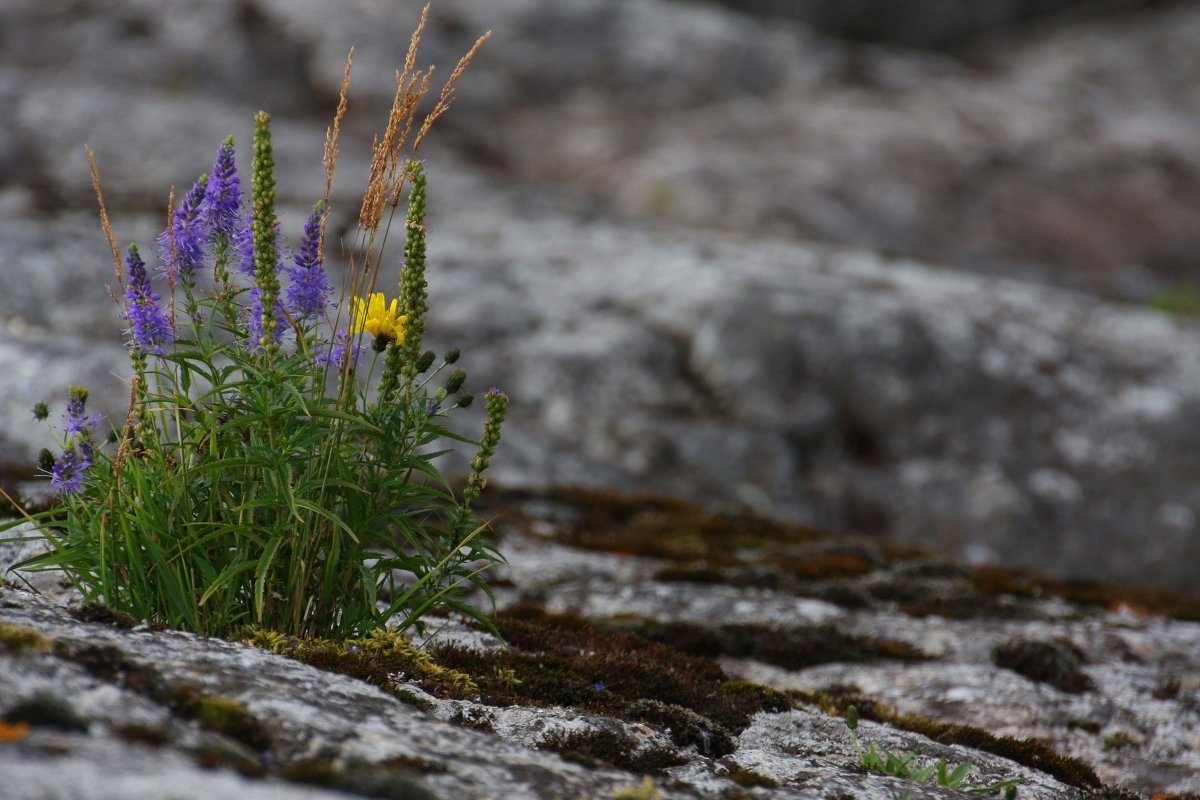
x=124, y=685
x=992, y=419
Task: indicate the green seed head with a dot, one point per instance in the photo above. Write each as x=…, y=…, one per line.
x=425, y=361
x=455, y=381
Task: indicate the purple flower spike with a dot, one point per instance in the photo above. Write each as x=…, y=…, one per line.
x=309, y=290
x=186, y=235
x=222, y=207
x=69, y=468
x=149, y=328
x=254, y=323
x=79, y=423
x=243, y=238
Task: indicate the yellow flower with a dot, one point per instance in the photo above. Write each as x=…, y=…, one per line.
x=378, y=319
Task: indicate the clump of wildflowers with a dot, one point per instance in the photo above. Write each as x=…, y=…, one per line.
x=261, y=475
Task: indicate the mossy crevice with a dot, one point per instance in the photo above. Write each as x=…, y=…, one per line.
x=565, y=661
x=100, y=613
x=649, y=526
x=604, y=747
x=791, y=648
x=380, y=658
x=1055, y=663
x=1017, y=582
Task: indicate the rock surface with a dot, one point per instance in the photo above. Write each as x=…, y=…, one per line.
x=701, y=350
x=1113, y=694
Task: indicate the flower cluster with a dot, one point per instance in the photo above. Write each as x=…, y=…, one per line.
x=67, y=472
x=261, y=477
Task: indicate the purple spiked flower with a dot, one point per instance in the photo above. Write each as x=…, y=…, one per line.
x=66, y=474
x=254, y=323
x=243, y=237
x=186, y=236
x=68, y=471
x=222, y=207
x=79, y=423
x=149, y=328
x=309, y=289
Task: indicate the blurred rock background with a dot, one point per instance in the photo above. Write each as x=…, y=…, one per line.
x=922, y=269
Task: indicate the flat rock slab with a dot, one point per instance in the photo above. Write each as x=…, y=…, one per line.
x=1111, y=693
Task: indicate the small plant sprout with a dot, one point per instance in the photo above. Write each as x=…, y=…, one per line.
x=271, y=471
x=904, y=765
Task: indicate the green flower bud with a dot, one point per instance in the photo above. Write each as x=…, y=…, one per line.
x=455, y=381
x=852, y=718
x=424, y=362
x=41, y=411
x=464, y=399
x=45, y=460
x=452, y=355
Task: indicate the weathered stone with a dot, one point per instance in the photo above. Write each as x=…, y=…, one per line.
x=992, y=419
x=1133, y=726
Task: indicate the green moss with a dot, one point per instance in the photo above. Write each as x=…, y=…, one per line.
x=374, y=659
x=1034, y=753
x=46, y=710
x=18, y=640
x=1176, y=302
x=566, y=661
x=750, y=779
x=219, y=714
x=646, y=791
x=223, y=754
x=993, y=580
x=1054, y=663
x=604, y=747
x=150, y=735
x=790, y=648
x=1117, y=740
x=98, y=612
x=649, y=526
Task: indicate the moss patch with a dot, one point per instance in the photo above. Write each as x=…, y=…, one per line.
x=1034, y=753
x=376, y=659
x=790, y=648
x=98, y=612
x=685, y=727
x=17, y=639
x=1054, y=663
x=1027, y=583
x=150, y=735
x=649, y=526
x=604, y=747
x=45, y=710
x=566, y=661
x=219, y=714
